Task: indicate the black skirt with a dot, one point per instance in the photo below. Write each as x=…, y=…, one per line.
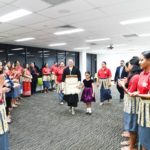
x=72, y=100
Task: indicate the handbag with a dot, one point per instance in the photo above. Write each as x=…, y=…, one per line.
x=40, y=82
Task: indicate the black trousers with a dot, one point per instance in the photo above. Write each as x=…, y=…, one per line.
x=121, y=91
x=33, y=85
x=8, y=104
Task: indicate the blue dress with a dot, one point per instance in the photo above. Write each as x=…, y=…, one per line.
x=4, y=144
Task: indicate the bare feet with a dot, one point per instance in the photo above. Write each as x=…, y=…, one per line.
x=125, y=134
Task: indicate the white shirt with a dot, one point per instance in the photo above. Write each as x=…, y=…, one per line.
x=121, y=69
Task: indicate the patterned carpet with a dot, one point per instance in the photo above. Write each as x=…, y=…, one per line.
x=40, y=123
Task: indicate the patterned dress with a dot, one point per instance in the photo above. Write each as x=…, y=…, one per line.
x=104, y=76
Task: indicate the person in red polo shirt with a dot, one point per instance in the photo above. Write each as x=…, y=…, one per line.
x=53, y=70
x=46, y=78
x=104, y=82
x=58, y=81
x=144, y=105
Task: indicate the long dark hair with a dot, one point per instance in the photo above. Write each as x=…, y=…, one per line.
x=135, y=69
x=146, y=54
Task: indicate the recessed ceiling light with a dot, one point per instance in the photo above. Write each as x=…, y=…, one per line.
x=57, y=44
x=144, y=35
x=81, y=48
x=45, y=54
x=25, y=53
x=1, y=51
x=69, y=31
x=133, y=21
x=14, y=15
x=97, y=40
x=10, y=54
x=17, y=49
x=25, y=39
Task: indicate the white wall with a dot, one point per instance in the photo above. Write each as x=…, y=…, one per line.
x=82, y=61
x=113, y=60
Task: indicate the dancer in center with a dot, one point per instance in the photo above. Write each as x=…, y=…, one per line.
x=71, y=81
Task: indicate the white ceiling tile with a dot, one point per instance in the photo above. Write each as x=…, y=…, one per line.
x=6, y=27
x=46, y=24
x=7, y=1
x=70, y=7
x=28, y=20
x=102, y=3
x=7, y=9
x=84, y=16
x=20, y=30
x=2, y=4
x=126, y=7
x=34, y=5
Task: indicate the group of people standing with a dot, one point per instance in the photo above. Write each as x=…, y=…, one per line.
x=134, y=88
x=133, y=84
x=17, y=81
x=132, y=81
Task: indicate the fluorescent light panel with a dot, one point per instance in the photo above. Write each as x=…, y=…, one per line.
x=97, y=40
x=144, y=35
x=133, y=21
x=25, y=39
x=69, y=31
x=25, y=53
x=14, y=15
x=17, y=49
x=57, y=44
x=81, y=48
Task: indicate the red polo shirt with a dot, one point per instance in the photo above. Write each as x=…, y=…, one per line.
x=104, y=73
x=144, y=83
x=45, y=71
x=53, y=68
x=59, y=73
x=133, y=83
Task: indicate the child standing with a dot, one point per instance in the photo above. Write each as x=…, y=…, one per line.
x=88, y=92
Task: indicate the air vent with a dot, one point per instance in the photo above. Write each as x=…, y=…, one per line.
x=55, y=2
x=93, y=44
x=67, y=26
x=130, y=35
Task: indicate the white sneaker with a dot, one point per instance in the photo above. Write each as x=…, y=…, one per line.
x=101, y=104
x=61, y=103
x=90, y=111
x=72, y=111
x=14, y=106
x=8, y=119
